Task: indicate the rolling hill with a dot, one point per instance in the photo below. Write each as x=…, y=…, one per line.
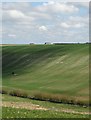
x=60, y=71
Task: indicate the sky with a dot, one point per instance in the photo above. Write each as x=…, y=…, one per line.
x=40, y=22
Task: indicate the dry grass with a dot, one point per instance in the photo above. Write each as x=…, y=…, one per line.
x=57, y=98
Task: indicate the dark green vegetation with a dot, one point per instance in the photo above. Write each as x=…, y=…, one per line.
x=51, y=72
x=52, y=110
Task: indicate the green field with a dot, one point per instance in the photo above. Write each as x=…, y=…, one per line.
x=62, y=70
x=58, y=73
x=17, y=109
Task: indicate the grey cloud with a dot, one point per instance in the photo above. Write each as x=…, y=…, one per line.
x=25, y=23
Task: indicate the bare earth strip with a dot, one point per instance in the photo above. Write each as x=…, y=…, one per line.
x=23, y=105
x=30, y=106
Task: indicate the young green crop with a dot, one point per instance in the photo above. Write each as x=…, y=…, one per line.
x=61, y=71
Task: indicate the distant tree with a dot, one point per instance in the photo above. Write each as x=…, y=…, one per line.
x=46, y=43
x=13, y=73
x=31, y=43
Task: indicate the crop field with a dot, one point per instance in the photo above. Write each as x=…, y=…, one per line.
x=56, y=73
x=15, y=107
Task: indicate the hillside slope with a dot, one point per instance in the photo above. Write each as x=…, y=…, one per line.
x=52, y=69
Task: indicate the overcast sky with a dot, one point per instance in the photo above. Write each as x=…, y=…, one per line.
x=40, y=22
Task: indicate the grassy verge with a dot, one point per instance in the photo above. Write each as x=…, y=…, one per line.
x=46, y=104
x=54, y=110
